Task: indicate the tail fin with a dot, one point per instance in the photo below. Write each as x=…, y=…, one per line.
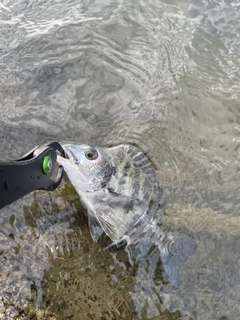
x=174, y=250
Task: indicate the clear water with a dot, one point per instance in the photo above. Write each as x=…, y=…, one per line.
x=161, y=74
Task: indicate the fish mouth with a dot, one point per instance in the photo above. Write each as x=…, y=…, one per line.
x=68, y=154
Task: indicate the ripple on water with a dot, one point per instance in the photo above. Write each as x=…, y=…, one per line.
x=162, y=75
x=27, y=240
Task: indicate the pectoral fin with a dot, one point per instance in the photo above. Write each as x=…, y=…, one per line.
x=95, y=228
x=98, y=225
x=109, y=229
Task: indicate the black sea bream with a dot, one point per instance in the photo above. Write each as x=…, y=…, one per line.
x=120, y=190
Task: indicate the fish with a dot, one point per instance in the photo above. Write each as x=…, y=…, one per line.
x=119, y=188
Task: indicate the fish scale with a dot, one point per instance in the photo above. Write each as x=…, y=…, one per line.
x=119, y=188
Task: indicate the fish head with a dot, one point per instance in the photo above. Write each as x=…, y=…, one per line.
x=88, y=167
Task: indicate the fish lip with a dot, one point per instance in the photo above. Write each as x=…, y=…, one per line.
x=68, y=154
x=65, y=155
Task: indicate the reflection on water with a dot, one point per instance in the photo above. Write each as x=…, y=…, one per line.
x=161, y=74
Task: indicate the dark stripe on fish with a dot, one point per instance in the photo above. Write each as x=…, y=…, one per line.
x=125, y=172
x=136, y=185
x=152, y=193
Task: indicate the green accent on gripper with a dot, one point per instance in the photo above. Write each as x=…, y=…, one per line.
x=47, y=164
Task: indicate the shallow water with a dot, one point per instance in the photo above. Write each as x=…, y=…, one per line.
x=161, y=74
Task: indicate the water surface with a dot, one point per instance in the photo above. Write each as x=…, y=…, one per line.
x=163, y=75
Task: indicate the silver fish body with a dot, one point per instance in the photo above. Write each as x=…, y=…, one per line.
x=118, y=187
x=120, y=190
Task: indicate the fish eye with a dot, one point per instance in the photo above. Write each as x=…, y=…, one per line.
x=91, y=154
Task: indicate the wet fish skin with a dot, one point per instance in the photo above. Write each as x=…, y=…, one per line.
x=119, y=188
